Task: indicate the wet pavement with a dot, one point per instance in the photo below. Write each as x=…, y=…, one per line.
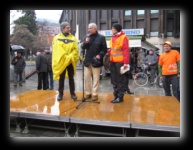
x=105, y=87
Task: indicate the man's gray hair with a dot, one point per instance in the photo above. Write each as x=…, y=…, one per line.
x=93, y=25
x=63, y=25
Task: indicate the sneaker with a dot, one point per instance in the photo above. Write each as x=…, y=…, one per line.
x=87, y=96
x=20, y=84
x=95, y=97
x=15, y=85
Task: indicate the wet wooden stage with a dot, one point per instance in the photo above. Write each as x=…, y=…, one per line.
x=137, y=111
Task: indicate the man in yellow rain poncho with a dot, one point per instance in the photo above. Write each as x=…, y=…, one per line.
x=64, y=59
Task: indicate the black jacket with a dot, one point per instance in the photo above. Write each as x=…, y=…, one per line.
x=49, y=59
x=96, y=46
x=19, y=65
x=41, y=63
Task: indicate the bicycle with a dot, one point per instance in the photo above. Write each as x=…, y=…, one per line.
x=143, y=77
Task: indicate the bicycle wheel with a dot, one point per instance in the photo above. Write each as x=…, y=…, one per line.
x=159, y=82
x=141, y=79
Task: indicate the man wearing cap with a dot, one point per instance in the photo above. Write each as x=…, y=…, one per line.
x=64, y=59
x=151, y=61
x=169, y=69
x=19, y=65
x=119, y=56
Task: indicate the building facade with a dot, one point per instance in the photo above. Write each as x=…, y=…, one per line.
x=48, y=31
x=158, y=25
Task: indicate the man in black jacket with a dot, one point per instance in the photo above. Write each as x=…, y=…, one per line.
x=96, y=48
x=50, y=80
x=42, y=70
x=19, y=66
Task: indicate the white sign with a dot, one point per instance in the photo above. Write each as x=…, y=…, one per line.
x=127, y=32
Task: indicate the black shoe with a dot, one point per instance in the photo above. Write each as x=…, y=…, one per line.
x=15, y=85
x=73, y=96
x=20, y=84
x=114, y=99
x=60, y=96
x=118, y=100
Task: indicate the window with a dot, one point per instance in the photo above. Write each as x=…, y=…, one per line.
x=154, y=11
x=127, y=25
x=170, y=24
x=154, y=27
x=127, y=12
x=140, y=24
x=103, y=26
x=103, y=14
x=169, y=34
x=170, y=11
x=115, y=13
x=140, y=12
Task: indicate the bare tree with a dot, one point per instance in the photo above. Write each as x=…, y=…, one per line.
x=22, y=36
x=39, y=43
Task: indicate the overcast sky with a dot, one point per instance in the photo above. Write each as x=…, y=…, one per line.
x=53, y=15
x=49, y=14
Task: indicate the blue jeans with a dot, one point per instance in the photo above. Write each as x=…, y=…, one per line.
x=50, y=81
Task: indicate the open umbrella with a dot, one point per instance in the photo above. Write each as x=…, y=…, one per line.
x=17, y=48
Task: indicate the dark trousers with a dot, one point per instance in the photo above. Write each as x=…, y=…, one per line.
x=50, y=80
x=152, y=74
x=117, y=79
x=42, y=78
x=15, y=77
x=174, y=81
x=70, y=70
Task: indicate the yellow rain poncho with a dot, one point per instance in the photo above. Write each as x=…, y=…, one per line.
x=64, y=52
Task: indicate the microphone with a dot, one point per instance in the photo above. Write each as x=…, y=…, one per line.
x=87, y=38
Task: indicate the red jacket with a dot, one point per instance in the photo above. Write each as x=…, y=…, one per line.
x=125, y=48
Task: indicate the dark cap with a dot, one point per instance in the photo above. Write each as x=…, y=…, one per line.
x=117, y=26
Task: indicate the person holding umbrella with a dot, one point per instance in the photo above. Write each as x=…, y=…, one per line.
x=19, y=65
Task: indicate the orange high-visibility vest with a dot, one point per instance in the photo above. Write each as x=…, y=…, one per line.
x=116, y=53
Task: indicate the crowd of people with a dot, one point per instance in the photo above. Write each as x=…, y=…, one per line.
x=61, y=63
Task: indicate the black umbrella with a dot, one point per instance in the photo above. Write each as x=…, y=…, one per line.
x=17, y=48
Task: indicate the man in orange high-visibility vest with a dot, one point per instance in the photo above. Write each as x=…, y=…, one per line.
x=119, y=56
x=169, y=69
